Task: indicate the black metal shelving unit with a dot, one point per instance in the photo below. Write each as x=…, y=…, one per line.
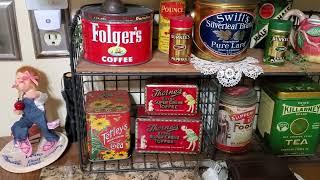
x=85, y=81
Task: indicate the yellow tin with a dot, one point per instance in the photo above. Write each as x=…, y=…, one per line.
x=168, y=9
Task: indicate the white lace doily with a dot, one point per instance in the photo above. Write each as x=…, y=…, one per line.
x=228, y=73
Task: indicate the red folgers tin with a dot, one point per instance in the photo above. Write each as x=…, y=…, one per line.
x=171, y=99
x=119, y=38
x=168, y=134
x=108, y=124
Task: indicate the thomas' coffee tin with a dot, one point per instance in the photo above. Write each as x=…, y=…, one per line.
x=223, y=28
x=171, y=98
x=108, y=124
x=289, y=114
x=112, y=38
x=237, y=109
x=168, y=134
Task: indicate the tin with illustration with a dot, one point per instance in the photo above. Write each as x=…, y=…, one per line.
x=108, y=124
x=237, y=109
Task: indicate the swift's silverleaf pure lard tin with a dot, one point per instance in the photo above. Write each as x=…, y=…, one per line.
x=237, y=109
x=112, y=35
x=223, y=28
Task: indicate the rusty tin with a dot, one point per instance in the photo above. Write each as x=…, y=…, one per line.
x=223, y=28
x=108, y=124
x=171, y=99
x=111, y=38
x=168, y=134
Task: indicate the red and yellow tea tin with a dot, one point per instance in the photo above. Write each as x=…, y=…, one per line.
x=113, y=38
x=171, y=99
x=168, y=134
x=108, y=124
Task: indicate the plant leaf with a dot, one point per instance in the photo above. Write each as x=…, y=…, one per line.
x=300, y=39
x=314, y=31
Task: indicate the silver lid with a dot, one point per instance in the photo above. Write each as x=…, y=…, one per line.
x=247, y=97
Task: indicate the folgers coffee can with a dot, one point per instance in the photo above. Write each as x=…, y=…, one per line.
x=111, y=35
x=171, y=99
x=237, y=110
x=168, y=134
x=289, y=114
x=108, y=124
x=223, y=28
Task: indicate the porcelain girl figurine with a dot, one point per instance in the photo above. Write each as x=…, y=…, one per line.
x=32, y=111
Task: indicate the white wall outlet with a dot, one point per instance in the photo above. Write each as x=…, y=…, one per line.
x=52, y=38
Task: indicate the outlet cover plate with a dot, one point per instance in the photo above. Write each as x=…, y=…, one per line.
x=55, y=46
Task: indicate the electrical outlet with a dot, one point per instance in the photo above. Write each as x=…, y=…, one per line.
x=52, y=38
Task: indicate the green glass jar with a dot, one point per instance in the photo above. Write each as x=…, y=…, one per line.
x=277, y=42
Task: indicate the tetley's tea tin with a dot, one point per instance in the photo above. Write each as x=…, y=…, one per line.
x=223, y=28
x=108, y=124
x=289, y=115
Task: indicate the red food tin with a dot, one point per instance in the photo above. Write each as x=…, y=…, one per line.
x=171, y=99
x=108, y=124
x=168, y=134
x=120, y=38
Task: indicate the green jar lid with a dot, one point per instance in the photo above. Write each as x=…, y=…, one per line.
x=282, y=25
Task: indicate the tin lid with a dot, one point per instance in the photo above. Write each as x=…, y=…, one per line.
x=298, y=89
x=131, y=13
x=279, y=24
x=181, y=22
x=110, y=101
x=244, y=2
x=239, y=96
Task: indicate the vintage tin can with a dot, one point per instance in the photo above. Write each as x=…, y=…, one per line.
x=112, y=39
x=180, y=40
x=237, y=109
x=268, y=10
x=108, y=124
x=171, y=99
x=277, y=42
x=223, y=30
x=168, y=134
x=288, y=119
x=168, y=9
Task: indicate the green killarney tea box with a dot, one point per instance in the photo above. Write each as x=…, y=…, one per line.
x=289, y=117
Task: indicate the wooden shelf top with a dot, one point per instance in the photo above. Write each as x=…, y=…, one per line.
x=159, y=65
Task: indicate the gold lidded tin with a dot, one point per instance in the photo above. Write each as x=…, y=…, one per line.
x=223, y=28
x=180, y=40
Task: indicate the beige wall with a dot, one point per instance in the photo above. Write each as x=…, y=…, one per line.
x=54, y=68
x=307, y=5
